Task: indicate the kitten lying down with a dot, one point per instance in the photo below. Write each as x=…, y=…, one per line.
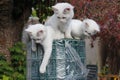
x=44, y=36
x=87, y=28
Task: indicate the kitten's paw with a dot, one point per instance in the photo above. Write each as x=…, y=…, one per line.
x=42, y=69
x=33, y=48
x=70, y=37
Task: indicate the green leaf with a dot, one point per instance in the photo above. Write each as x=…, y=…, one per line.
x=34, y=13
x=5, y=77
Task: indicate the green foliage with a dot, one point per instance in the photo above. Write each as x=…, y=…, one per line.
x=5, y=67
x=46, y=14
x=34, y=13
x=43, y=8
x=18, y=61
x=16, y=68
x=105, y=70
x=5, y=77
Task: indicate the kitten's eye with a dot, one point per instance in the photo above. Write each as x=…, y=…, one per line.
x=58, y=17
x=63, y=17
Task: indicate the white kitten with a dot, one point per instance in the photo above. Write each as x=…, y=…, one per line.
x=25, y=36
x=44, y=36
x=87, y=27
x=59, y=21
x=91, y=27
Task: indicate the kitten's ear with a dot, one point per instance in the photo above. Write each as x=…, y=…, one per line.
x=28, y=32
x=54, y=9
x=66, y=10
x=39, y=32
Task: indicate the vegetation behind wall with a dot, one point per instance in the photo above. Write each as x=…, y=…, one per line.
x=16, y=68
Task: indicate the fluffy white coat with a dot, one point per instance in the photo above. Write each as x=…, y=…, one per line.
x=77, y=29
x=59, y=21
x=44, y=36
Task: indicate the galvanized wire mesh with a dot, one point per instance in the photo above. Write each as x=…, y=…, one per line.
x=58, y=60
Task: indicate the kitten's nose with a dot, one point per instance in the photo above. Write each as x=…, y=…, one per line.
x=62, y=20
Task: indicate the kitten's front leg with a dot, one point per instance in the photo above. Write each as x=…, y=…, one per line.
x=58, y=35
x=68, y=33
x=46, y=57
x=33, y=45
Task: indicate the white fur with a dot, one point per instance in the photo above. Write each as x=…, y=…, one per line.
x=87, y=27
x=59, y=21
x=92, y=27
x=25, y=36
x=45, y=39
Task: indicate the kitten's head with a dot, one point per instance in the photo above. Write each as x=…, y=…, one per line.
x=90, y=27
x=36, y=32
x=63, y=11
